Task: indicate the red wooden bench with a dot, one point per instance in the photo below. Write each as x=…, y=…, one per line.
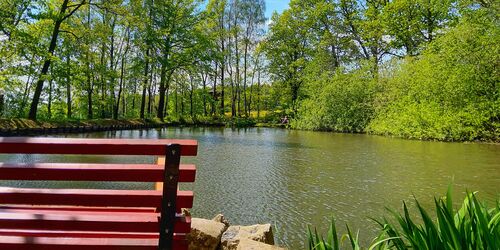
x=90, y=218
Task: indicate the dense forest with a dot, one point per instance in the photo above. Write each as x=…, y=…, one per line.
x=425, y=69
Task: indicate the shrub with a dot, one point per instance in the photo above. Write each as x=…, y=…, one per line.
x=448, y=93
x=341, y=103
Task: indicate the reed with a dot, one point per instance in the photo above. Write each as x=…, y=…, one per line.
x=472, y=226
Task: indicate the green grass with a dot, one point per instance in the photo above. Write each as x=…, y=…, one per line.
x=472, y=226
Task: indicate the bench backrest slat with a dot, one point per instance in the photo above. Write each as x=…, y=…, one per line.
x=25, y=145
x=92, y=198
x=91, y=172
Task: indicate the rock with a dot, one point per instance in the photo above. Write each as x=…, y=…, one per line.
x=220, y=218
x=246, y=244
x=205, y=234
x=234, y=234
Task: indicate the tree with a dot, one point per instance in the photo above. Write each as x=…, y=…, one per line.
x=288, y=49
x=174, y=38
x=253, y=18
x=412, y=23
x=66, y=11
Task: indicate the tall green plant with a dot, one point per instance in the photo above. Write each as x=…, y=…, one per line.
x=334, y=241
x=473, y=226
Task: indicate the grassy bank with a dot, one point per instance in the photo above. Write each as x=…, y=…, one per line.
x=20, y=126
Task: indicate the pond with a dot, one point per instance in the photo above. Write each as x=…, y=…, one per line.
x=297, y=178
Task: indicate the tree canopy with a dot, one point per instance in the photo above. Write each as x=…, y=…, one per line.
x=423, y=69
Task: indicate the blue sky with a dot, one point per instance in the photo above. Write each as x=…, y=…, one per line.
x=275, y=5
x=271, y=6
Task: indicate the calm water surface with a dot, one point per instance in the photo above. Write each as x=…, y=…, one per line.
x=295, y=178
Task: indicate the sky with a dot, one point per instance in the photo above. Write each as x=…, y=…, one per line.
x=275, y=5
x=271, y=6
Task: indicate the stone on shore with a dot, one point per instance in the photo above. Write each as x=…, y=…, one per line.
x=246, y=244
x=234, y=234
x=220, y=218
x=205, y=234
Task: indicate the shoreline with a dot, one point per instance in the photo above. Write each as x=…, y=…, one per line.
x=26, y=127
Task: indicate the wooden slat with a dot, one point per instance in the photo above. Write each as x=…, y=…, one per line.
x=26, y=145
x=183, y=223
x=70, y=243
x=91, y=172
x=91, y=197
x=78, y=234
x=81, y=209
x=96, y=221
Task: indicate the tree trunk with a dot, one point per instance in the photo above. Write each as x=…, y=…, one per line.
x=166, y=98
x=145, y=85
x=90, y=85
x=26, y=90
x=111, y=103
x=46, y=63
x=150, y=97
x=176, y=101
x=124, y=104
x=122, y=74
x=68, y=85
x=222, y=72
x=102, y=104
x=237, y=76
x=134, y=93
x=2, y=100
x=191, y=93
x=120, y=87
x=49, y=103
x=214, y=94
x=182, y=101
x=249, y=108
x=151, y=91
x=90, y=113
x=205, y=77
x=245, y=63
x=161, y=101
x=258, y=94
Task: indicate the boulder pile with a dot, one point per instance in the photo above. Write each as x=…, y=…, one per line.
x=217, y=234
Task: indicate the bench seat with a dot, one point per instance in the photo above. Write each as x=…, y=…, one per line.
x=61, y=242
x=109, y=221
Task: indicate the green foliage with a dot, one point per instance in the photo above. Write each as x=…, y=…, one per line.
x=342, y=102
x=472, y=226
x=240, y=122
x=316, y=241
x=407, y=68
x=450, y=93
x=425, y=69
x=332, y=242
x=413, y=22
x=288, y=49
